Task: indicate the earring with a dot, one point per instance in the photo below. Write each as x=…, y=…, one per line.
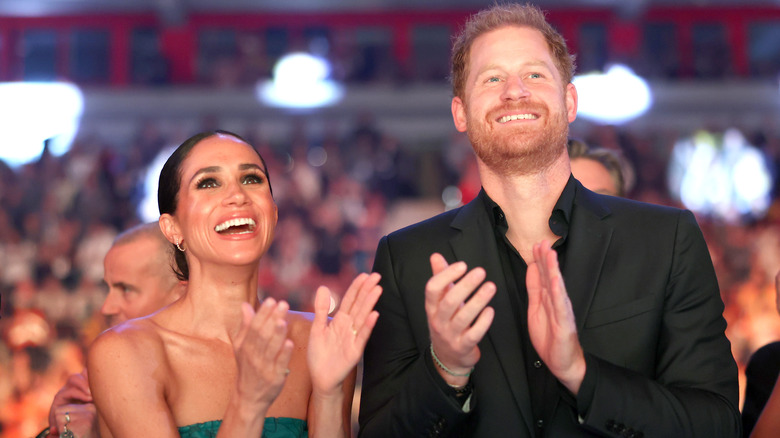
x=178, y=246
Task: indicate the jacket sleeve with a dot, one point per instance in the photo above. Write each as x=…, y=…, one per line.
x=402, y=395
x=694, y=392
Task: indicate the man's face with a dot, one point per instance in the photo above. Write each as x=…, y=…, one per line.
x=515, y=109
x=138, y=284
x=594, y=176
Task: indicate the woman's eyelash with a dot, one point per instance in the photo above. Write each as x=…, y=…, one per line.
x=206, y=183
x=256, y=176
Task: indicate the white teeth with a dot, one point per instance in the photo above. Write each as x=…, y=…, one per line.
x=234, y=223
x=517, y=117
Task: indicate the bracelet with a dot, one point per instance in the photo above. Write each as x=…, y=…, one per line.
x=447, y=370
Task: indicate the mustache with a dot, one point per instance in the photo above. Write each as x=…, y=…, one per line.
x=514, y=107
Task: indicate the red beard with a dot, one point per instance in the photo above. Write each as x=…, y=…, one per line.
x=520, y=149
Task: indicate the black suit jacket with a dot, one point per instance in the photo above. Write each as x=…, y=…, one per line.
x=649, y=318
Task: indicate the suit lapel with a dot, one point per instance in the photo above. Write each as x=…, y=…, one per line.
x=588, y=234
x=476, y=245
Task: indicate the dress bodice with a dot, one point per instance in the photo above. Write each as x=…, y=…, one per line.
x=274, y=427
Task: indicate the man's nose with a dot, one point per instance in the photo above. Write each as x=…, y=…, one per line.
x=514, y=89
x=110, y=305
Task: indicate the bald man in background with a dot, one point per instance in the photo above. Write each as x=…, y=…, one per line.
x=140, y=281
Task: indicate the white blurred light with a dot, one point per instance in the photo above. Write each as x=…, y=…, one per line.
x=148, y=210
x=452, y=197
x=33, y=112
x=300, y=81
x=317, y=156
x=614, y=97
x=721, y=175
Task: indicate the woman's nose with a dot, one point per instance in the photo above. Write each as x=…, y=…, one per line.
x=236, y=194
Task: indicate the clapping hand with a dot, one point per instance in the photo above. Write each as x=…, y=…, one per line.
x=456, y=302
x=263, y=352
x=551, y=322
x=336, y=345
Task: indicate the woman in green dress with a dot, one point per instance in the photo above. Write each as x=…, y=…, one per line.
x=219, y=361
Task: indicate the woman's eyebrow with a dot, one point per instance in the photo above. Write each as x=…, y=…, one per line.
x=210, y=169
x=250, y=166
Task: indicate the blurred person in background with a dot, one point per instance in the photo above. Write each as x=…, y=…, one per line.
x=761, y=410
x=139, y=275
x=600, y=170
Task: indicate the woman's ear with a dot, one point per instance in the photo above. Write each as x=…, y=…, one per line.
x=170, y=228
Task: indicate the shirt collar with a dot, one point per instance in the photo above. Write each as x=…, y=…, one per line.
x=559, y=218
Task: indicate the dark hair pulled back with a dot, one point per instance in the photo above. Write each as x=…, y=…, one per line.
x=170, y=184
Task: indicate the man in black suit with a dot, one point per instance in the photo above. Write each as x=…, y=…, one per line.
x=632, y=344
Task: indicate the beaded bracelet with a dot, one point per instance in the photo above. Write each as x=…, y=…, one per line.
x=447, y=370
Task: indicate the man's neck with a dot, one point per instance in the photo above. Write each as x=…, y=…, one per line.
x=527, y=202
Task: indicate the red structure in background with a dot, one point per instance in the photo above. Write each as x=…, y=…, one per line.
x=179, y=43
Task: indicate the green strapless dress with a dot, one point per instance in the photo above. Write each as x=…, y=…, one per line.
x=280, y=427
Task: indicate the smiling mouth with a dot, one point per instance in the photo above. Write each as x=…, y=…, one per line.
x=236, y=226
x=517, y=117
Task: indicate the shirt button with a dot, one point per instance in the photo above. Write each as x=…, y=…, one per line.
x=540, y=423
x=538, y=364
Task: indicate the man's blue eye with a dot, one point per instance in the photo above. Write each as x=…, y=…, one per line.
x=493, y=79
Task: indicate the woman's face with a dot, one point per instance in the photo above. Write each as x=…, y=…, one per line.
x=225, y=213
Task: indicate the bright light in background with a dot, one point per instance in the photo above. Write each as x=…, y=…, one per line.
x=452, y=197
x=31, y=113
x=721, y=175
x=148, y=210
x=614, y=97
x=300, y=81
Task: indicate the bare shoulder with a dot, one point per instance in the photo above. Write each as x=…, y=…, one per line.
x=128, y=334
x=130, y=378
x=131, y=346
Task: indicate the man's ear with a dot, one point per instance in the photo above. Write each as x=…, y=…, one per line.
x=571, y=102
x=170, y=228
x=459, y=114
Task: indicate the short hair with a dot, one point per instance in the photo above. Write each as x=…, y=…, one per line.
x=617, y=166
x=170, y=183
x=503, y=15
x=148, y=230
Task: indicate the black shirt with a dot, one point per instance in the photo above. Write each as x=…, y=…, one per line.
x=543, y=386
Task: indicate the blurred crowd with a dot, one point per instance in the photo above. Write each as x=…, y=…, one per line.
x=337, y=195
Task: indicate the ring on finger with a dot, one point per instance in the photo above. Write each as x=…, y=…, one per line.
x=65, y=432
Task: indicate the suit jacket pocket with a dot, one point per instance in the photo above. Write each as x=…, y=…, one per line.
x=620, y=312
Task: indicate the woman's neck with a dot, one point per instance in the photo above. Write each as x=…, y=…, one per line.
x=214, y=298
